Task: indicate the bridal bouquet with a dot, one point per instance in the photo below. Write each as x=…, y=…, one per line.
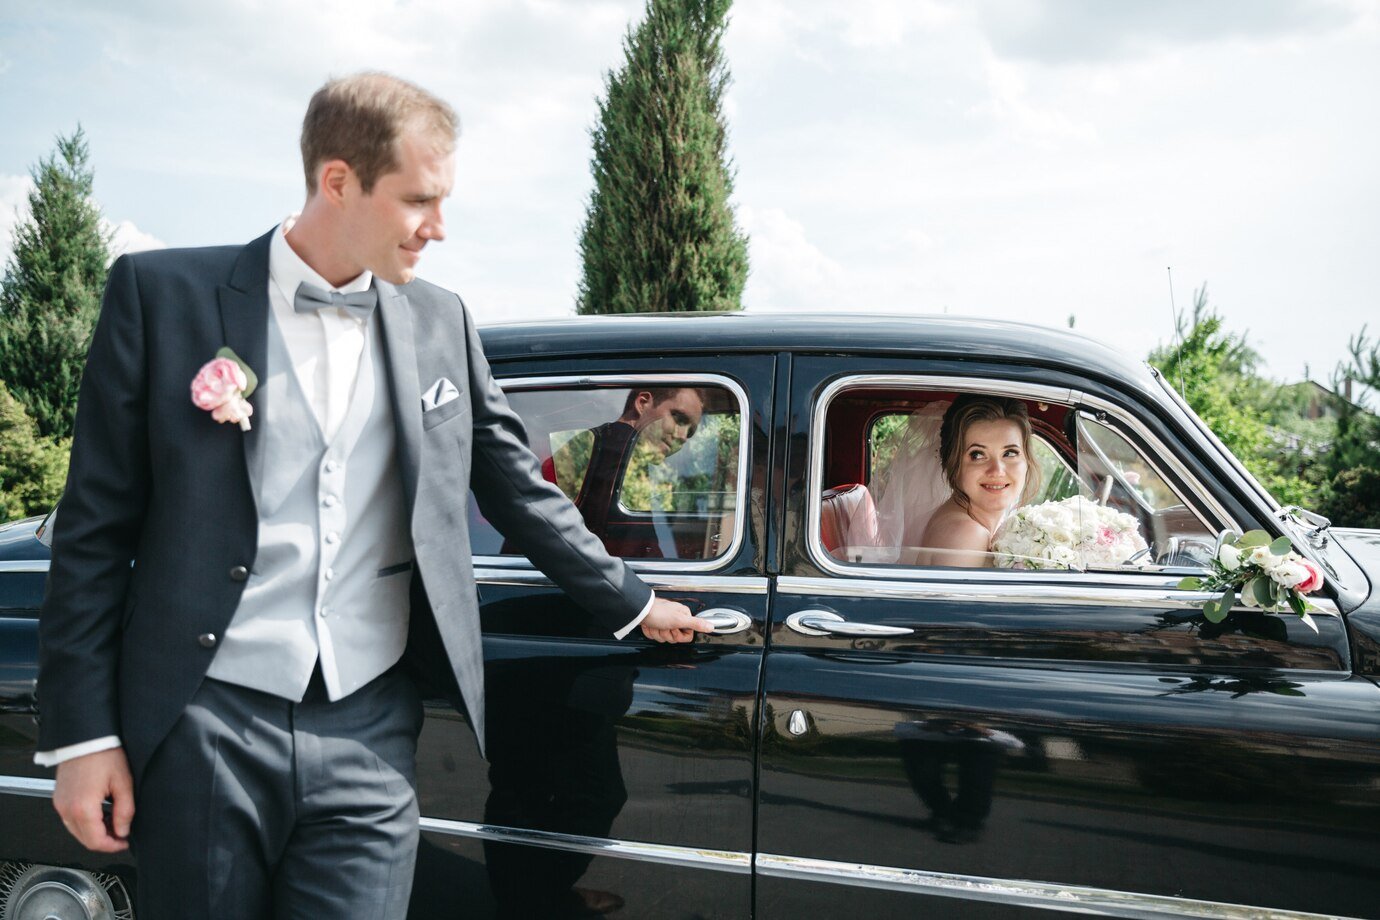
x=1075, y=533
x=1262, y=574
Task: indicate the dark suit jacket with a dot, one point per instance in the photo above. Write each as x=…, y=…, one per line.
x=156, y=482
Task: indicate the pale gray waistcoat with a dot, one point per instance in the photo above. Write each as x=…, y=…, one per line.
x=334, y=562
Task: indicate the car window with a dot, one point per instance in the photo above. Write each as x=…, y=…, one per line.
x=1034, y=485
x=653, y=469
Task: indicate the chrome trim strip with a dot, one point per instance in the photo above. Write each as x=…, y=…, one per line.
x=26, y=785
x=714, y=860
x=23, y=565
x=1151, y=595
x=1040, y=895
x=1063, y=395
x=719, y=584
x=729, y=553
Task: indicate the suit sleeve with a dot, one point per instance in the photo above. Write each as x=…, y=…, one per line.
x=535, y=514
x=95, y=535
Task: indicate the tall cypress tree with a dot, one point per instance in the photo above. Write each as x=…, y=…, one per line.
x=659, y=234
x=51, y=293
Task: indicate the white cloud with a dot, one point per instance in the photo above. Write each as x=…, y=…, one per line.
x=125, y=237
x=14, y=207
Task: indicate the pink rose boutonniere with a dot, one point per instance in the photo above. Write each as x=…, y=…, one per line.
x=220, y=387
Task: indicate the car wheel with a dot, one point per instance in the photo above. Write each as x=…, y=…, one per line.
x=29, y=892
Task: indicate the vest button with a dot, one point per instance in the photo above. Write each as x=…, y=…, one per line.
x=239, y=573
x=207, y=640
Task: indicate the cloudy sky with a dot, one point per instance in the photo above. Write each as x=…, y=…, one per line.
x=1023, y=159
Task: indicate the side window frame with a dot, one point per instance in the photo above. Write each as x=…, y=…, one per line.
x=1167, y=465
x=728, y=553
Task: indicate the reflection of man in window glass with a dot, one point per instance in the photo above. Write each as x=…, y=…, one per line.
x=590, y=466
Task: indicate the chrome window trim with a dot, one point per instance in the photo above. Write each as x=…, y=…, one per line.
x=1040, y=895
x=719, y=584
x=1042, y=392
x=730, y=861
x=31, y=786
x=23, y=565
x=1156, y=595
x=725, y=558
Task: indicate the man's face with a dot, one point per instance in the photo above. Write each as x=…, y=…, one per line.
x=665, y=426
x=391, y=224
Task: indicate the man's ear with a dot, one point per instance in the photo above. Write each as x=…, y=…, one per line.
x=334, y=179
x=643, y=402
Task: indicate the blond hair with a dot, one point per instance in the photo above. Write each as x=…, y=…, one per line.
x=361, y=118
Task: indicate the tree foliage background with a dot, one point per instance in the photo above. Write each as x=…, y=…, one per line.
x=659, y=233
x=32, y=468
x=1330, y=463
x=51, y=291
x=50, y=297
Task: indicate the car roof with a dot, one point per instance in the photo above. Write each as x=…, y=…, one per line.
x=853, y=333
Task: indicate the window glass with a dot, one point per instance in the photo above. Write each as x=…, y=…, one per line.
x=653, y=470
x=1018, y=483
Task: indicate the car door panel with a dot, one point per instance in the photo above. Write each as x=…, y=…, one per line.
x=1074, y=742
x=620, y=774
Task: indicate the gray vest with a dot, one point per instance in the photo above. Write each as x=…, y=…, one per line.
x=334, y=563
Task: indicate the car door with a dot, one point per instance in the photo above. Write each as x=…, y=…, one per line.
x=976, y=742
x=620, y=773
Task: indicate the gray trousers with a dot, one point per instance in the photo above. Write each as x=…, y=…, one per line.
x=255, y=807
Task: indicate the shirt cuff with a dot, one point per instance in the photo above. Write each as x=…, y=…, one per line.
x=94, y=746
x=638, y=619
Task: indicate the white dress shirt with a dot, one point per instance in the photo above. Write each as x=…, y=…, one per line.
x=325, y=346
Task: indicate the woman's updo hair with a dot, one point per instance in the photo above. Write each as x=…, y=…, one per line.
x=960, y=416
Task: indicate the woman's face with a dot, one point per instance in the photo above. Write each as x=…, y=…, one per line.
x=993, y=467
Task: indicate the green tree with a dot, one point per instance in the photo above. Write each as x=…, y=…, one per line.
x=51, y=292
x=32, y=467
x=659, y=232
x=1219, y=375
x=1352, y=496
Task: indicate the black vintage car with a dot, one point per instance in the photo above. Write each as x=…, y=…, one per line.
x=865, y=734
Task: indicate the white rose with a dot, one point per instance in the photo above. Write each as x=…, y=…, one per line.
x=1230, y=557
x=1248, y=598
x=1262, y=557
x=1289, y=574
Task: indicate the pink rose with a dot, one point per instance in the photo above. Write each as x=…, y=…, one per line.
x=219, y=388
x=1313, y=582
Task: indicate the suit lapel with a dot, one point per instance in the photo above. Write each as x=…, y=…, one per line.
x=400, y=355
x=244, y=322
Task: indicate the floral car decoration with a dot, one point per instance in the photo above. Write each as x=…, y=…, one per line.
x=1075, y=533
x=1261, y=573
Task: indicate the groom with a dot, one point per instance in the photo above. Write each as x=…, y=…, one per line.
x=227, y=609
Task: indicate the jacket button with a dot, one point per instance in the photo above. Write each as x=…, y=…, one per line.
x=239, y=573
x=207, y=640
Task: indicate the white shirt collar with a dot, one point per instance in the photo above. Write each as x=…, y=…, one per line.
x=288, y=269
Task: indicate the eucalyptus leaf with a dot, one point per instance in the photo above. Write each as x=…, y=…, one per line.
x=1281, y=546
x=251, y=379
x=1260, y=589
x=1190, y=584
x=1253, y=538
x=1215, y=611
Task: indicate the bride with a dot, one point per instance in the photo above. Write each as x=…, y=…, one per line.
x=954, y=480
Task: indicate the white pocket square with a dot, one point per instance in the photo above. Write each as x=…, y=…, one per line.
x=438, y=394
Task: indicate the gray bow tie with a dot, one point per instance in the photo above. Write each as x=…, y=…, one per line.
x=310, y=298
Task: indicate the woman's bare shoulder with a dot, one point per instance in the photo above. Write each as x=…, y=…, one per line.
x=952, y=528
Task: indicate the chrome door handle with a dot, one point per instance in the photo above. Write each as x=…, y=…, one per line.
x=724, y=620
x=828, y=623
